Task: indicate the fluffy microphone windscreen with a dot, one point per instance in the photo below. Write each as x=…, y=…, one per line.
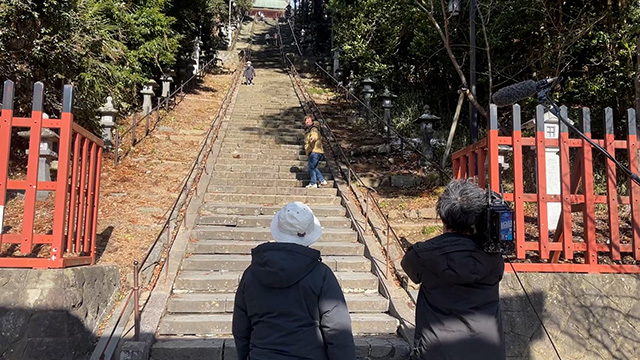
x=514, y=93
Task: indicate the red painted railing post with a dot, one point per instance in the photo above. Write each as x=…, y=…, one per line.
x=612, y=183
x=492, y=145
x=565, y=190
x=541, y=172
x=589, y=228
x=6, y=118
x=62, y=187
x=518, y=183
x=632, y=147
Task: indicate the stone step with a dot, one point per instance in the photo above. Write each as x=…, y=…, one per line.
x=270, y=162
x=260, y=138
x=260, y=131
x=269, y=175
x=251, y=209
x=240, y=124
x=265, y=156
x=227, y=262
x=241, y=150
x=273, y=199
x=266, y=190
x=266, y=168
x=326, y=248
x=371, y=347
x=223, y=303
x=295, y=148
x=265, y=221
x=266, y=144
x=264, y=234
x=220, y=324
x=263, y=182
x=216, y=281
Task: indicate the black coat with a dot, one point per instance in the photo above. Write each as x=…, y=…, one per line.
x=289, y=306
x=458, y=309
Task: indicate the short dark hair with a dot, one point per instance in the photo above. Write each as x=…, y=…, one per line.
x=461, y=205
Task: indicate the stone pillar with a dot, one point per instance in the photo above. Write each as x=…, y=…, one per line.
x=426, y=125
x=148, y=94
x=108, y=121
x=47, y=155
x=387, y=104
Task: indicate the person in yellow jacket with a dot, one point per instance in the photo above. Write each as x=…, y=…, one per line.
x=314, y=151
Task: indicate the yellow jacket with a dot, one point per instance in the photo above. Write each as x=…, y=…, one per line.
x=313, y=140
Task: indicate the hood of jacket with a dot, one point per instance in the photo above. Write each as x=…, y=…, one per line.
x=458, y=258
x=280, y=265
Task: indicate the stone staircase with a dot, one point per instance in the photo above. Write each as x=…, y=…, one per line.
x=261, y=167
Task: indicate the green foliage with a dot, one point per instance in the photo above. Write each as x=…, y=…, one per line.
x=592, y=44
x=102, y=47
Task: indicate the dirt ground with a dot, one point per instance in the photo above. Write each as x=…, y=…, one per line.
x=137, y=195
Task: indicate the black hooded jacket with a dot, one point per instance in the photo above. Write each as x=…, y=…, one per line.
x=458, y=309
x=289, y=306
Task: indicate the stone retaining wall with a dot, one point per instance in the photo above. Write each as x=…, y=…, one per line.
x=589, y=316
x=53, y=314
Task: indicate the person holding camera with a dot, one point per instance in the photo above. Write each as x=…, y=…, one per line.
x=458, y=306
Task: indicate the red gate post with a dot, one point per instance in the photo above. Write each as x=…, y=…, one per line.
x=612, y=182
x=6, y=118
x=518, y=182
x=632, y=147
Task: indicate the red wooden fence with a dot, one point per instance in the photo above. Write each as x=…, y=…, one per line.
x=566, y=249
x=72, y=239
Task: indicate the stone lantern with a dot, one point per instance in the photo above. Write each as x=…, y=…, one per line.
x=339, y=75
x=108, y=121
x=336, y=61
x=426, y=125
x=167, y=79
x=47, y=140
x=148, y=93
x=351, y=86
x=367, y=92
x=387, y=104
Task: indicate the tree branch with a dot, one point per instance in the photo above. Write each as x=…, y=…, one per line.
x=472, y=99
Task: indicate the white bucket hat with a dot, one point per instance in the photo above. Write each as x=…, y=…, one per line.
x=296, y=224
x=248, y=63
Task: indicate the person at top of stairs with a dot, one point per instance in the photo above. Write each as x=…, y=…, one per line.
x=313, y=149
x=249, y=73
x=289, y=304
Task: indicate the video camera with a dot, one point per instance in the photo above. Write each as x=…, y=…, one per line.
x=494, y=229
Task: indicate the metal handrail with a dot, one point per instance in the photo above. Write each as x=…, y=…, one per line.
x=309, y=105
x=200, y=166
x=164, y=102
x=403, y=141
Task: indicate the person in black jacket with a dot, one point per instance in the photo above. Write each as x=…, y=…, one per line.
x=458, y=310
x=289, y=304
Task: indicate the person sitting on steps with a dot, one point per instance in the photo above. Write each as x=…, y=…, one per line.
x=314, y=151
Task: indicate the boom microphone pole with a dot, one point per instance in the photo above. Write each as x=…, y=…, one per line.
x=522, y=90
x=545, y=100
